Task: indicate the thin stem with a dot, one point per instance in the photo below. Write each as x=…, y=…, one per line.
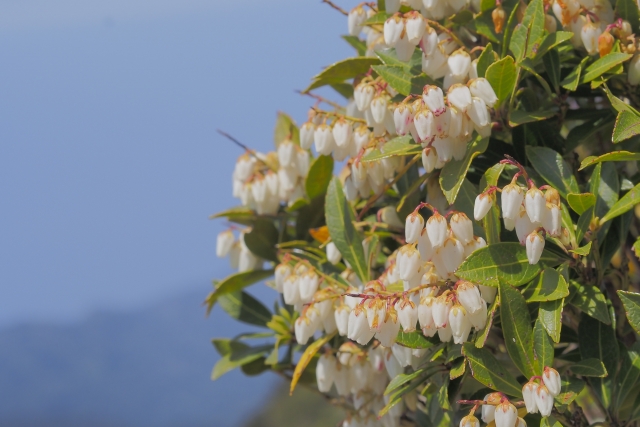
x=336, y=7
x=441, y=27
x=334, y=114
x=319, y=98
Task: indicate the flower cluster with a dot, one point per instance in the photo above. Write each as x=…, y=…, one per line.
x=240, y=257
x=539, y=397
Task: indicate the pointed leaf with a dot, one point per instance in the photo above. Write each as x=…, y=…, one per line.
x=319, y=176
x=549, y=286
x=627, y=126
x=550, y=316
x=589, y=368
x=631, y=303
x=398, y=146
x=590, y=300
x=581, y=202
x=306, y=357
x=343, y=70
x=543, y=345
x=516, y=328
x=502, y=76
x=488, y=371
x=234, y=283
x=604, y=64
x=625, y=204
x=455, y=171
x=598, y=340
x=614, y=156
x=245, y=308
x=550, y=165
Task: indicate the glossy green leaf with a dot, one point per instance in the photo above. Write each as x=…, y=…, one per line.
x=516, y=328
x=589, y=368
x=239, y=354
x=550, y=316
x=581, y=202
x=457, y=369
x=602, y=65
x=413, y=340
x=598, y=340
x=569, y=390
x=286, y=129
x=520, y=117
x=625, y=204
x=572, y=80
x=340, y=219
x=583, y=250
x=583, y=224
x=239, y=214
x=628, y=379
x=343, y=70
x=506, y=262
x=455, y=171
x=502, y=76
x=590, y=300
x=542, y=345
x=552, y=40
x=390, y=58
x=551, y=63
x=549, y=286
x=403, y=379
x=489, y=371
x=398, y=146
x=528, y=34
x=377, y=19
x=234, y=283
x=491, y=222
x=614, y=156
x=631, y=303
x=590, y=130
x=627, y=126
x=486, y=58
x=605, y=184
x=553, y=169
x=319, y=176
x=262, y=239
x=355, y=42
x=401, y=80
x=245, y=308
x=618, y=104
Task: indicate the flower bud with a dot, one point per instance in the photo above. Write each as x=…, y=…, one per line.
x=306, y=135
x=512, y=197
x=376, y=313
x=388, y=332
x=459, y=63
x=469, y=421
x=589, y=35
x=529, y=396
x=552, y=220
x=305, y=327
x=363, y=95
x=605, y=43
x=323, y=139
x=482, y=206
x=488, y=412
x=452, y=254
x=535, y=246
x=358, y=329
x=506, y=415
x=407, y=315
x=393, y=28
x=478, y=113
x=440, y=309
x=224, y=243
x=498, y=16
x=460, y=324
x=308, y=285
x=524, y=226
x=459, y=96
x=544, y=401
x=326, y=371
x=469, y=296
x=433, y=98
x=479, y=318
x=535, y=204
x=634, y=70
x=333, y=254
x=424, y=123
x=425, y=316
x=462, y=227
x=342, y=132
x=551, y=380
x=356, y=20
x=413, y=227
x=550, y=24
x=429, y=159
x=481, y=88
x=415, y=27
x=402, y=119
x=341, y=316
x=409, y=263
x=437, y=229
x=282, y=271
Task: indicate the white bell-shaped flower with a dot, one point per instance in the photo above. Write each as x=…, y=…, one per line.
x=469, y=421
x=388, y=332
x=460, y=324
x=469, y=296
x=305, y=326
x=456, y=123
x=425, y=126
x=479, y=318
x=415, y=27
x=302, y=159
x=512, y=197
x=445, y=334
x=409, y=263
x=404, y=49
x=425, y=316
x=361, y=137
x=478, y=112
x=589, y=35
x=402, y=119
x=333, y=254
x=308, y=285
x=506, y=415
x=435, y=64
x=350, y=190
x=342, y=319
x=326, y=371
x=282, y=272
x=359, y=330
x=552, y=220
x=287, y=154
x=481, y=88
x=442, y=124
x=429, y=41
x=379, y=108
x=306, y=135
x=323, y=140
x=459, y=96
x=291, y=289
x=234, y=255
x=224, y=243
x=535, y=246
x=462, y=227
x=477, y=243
x=544, y=401
x=633, y=75
x=356, y=20
x=551, y=380
x=524, y=226
x=452, y=254
x=407, y=315
x=488, y=411
x=482, y=206
x=393, y=28
x=509, y=223
x=363, y=95
x=535, y=204
x=247, y=260
x=529, y=396
x=376, y=313
x=459, y=63
x=402, y=354
x=440, y=309
x=342, y=381
x=429, y=159
x=413, y=227
x=424, y=246
x=433, y=98
x=342, y=132
x=488, y=293
x=437, y=229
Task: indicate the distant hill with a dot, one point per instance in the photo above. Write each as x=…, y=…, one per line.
x=146, y=368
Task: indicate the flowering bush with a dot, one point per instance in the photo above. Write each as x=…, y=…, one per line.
x=474, y=254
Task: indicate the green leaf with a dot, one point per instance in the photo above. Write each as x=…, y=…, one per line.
x=581, y=202
x=590, y=130
x=551, y=63
x=618, y=104
x=516, y=328
x=413, y=340
x=486, y=58
x=403, y=379
x=455, y=171
x=457, y=369
x=245, y=308
x=319, y=176
x=627, y=380
x=583, y=224
x=549, y=286
x=306, y=357
x=573, y=78
x=508, y=29
x=398, y=146
x=343, y=70
x=582, y=251
x=390, y=58
x=627, y=126
x=604, y=64
x=553, y=169
x=631, y=303
x=239, y=214
x=550, y=316
x=488, y=371
x=519, y=117
x=598, y=340
x=506, y=262
x=400, y=80
x=340, y=219
x=377, y=19
x=357, y=44
x=286, y=129
x=605, y=185
x=590, y=300
x=543, y=345
x=484, y=334
x=262, y=239
x=589, y=368
x=614, y=156
x=569, y=390
x=344, y=89
x=502, y=76
x=628, y=10
x=528, y=34
x=234, y=283
x=239, y=354
x=443, y=396
x=625, y=204
x=552, y=40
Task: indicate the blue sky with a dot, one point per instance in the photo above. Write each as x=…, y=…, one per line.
x=109, y=159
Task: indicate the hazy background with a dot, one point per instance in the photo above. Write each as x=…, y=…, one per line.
x=109, y=168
